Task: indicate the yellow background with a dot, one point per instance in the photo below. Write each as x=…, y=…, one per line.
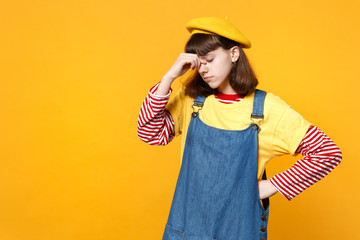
x=74, y=74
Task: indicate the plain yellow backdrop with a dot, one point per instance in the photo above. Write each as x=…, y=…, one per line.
x=74, y=74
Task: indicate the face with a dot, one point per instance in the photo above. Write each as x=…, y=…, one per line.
x=215, y=68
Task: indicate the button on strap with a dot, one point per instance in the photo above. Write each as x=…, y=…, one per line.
x=263, y=229
x=197, y=105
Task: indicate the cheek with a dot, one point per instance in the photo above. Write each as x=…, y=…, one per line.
x=224, y=69
x=224, y=64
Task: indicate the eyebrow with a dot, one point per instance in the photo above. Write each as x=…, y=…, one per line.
x=208, y=55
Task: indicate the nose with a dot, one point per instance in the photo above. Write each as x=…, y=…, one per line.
x=203, y=68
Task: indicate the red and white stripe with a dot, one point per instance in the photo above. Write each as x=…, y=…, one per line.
x=321, y=155
x=228, y=98
x=155, y=124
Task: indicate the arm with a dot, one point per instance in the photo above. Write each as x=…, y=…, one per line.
x=321, y=156
x=155, y=123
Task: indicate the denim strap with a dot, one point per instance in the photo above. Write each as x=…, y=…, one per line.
x=199, y=101
x=258, y=107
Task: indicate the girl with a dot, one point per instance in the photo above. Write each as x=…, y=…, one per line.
x=230, y=130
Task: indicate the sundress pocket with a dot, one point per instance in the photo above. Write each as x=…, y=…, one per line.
x=173, y=234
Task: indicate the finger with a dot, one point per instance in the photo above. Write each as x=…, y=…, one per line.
x=186, y=63
x=198, y=62
x=191, y=59
x=193, y=63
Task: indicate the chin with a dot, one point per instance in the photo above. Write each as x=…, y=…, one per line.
x=212, y=86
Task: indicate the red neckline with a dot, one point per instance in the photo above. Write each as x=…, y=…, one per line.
x=229, y=96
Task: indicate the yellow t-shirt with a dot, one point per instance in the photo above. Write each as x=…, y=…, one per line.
x=281, y=130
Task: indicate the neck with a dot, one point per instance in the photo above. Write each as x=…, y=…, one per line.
x=225, y=88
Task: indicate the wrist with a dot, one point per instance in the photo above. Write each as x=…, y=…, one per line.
x=164, y=86
x=168, y=79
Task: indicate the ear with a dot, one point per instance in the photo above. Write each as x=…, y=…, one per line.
x=235, y=53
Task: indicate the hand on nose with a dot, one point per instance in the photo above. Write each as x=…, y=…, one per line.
x=202, y=67
x=202, y=62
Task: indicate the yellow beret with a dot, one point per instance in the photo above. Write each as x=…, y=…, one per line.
x=217, y=26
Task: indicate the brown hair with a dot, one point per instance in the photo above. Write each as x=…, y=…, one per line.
x=241, y=78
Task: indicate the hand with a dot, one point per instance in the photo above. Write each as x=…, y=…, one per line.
x=266, y=189
x=184, y=62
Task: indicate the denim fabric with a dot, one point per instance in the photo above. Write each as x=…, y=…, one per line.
x=216, y=195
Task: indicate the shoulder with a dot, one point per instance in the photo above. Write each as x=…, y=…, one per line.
x=273, y=105
x=180, y=96
x=178, y=102
x=274, y=101
x=278, y=110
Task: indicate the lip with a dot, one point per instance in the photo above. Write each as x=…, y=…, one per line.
x=207, y=78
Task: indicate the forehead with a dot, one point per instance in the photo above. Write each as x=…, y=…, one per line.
x=217, y=51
